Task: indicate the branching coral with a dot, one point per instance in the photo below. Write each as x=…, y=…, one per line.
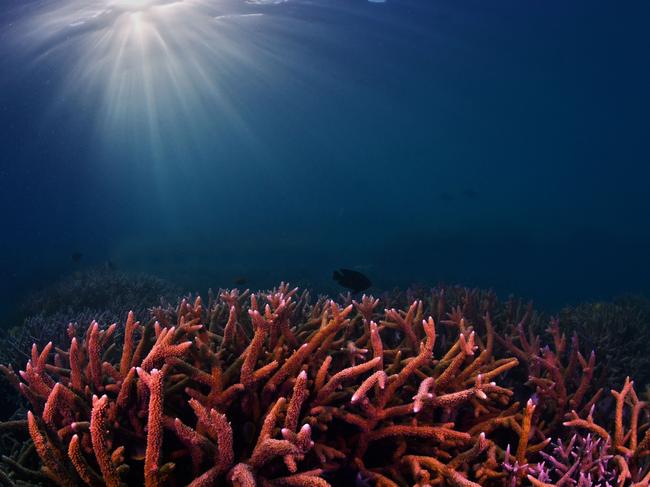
x=619, y=331
x=560, y=375
x=95, y=294
x=270, y=389
x=101, y=290
x=594, y=456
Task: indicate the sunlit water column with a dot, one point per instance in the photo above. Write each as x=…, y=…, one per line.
x=169, y=85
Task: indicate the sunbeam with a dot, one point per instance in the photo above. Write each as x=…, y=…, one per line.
x=142, y=66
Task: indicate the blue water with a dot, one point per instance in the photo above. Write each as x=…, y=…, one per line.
x=495, y=144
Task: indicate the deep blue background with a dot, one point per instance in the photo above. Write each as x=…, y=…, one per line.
x=498, y=144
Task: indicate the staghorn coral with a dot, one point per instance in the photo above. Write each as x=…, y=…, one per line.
x=95, y=294
x=256, y=393
x=272, y=389
x=562, y=378
x=597, y=456
x=568, y=402
x=620, y=331
x=583, y=460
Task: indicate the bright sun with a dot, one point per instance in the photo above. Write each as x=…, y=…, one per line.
x=140, y=4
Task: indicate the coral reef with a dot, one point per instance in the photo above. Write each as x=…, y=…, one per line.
x=100, y=290
x=585, y=460
x=272, y=389
x=620, y=331
x=95, y=294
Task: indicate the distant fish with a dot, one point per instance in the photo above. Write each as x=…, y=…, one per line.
x=76, y=257
x=470, y=193
x=240, y=281
x=353, y=280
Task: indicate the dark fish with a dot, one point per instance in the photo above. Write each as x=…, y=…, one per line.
x=240, y=281
x=353, y=280
x=470, y=193
x=76, y=257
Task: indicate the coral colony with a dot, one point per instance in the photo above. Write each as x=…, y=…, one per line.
x=273, y=389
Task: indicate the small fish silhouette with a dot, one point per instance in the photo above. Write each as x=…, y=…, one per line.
x=353, y=280
x=76, y=257
x=240, y=281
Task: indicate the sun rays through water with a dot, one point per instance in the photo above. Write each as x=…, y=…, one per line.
x=150, y=69
x=177, y=92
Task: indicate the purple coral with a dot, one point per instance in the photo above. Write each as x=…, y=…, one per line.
x=584, y=461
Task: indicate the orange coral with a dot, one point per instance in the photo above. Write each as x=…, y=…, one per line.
x=283, y=392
